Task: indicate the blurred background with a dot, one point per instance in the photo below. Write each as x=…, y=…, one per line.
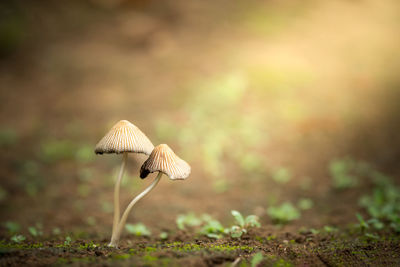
x=271, y=102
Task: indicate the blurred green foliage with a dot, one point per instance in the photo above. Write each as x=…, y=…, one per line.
x=189, y=219
x=17, y=238
x=212, y=228
x=138, y=229
x=342, y=173
x=163, y=235
x=85, y=174
x=84, y=190
x=8, y=137
x=68, y=241
x=36, y=231
x=282, y=175
x=91, y=221
x=107, y=206
x=84, y=154
x=305, y=203
x=383, y=205
x=257, y=259
x=30, y=177
x=284, y=213
x=56, y=150
x=56, y=231
x=218, y=125
x=52, y=151
x=12, y=227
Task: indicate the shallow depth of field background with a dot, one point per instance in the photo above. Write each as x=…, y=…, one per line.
x=262, y=98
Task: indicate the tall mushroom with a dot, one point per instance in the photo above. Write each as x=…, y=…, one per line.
x=164, y=161
x=123, y=137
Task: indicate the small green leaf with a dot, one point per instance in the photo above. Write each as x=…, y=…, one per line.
x=32, y=230
x=252, y=221
x=236, y=231
x=238, y=217
x=257, y=259
x=17, y=238
x=68, y=241
x=163, y=235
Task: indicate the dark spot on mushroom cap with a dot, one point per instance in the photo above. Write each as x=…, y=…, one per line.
x=143, y=173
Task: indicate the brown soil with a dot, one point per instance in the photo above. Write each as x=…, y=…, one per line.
x=282, y=249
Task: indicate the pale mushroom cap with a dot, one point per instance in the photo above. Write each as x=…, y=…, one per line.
x=164, y=160
x=124, y=137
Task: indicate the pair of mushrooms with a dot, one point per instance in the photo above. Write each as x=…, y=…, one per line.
x=124, y=137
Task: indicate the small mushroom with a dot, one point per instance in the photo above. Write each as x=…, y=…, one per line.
x=164, y=161
x=123, y=137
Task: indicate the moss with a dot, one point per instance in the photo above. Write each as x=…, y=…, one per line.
x=150, y=249
x=3, y=244
x=149, y=258
x=121, y=256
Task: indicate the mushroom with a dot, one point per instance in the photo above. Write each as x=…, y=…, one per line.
x=164, y=161
x=123, y=137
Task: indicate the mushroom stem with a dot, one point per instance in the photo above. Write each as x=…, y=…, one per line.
x=115, y=238
x=116, y=193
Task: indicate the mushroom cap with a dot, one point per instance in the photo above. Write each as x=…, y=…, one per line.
x=164, y=160
x=124, y=137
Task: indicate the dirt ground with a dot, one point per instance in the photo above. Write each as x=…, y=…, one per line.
x=241, y=91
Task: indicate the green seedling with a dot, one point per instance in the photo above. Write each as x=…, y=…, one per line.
x=283, y=214
x=243, y=224
x=138, y=229
x=68, y=241
x=362, y=223
x=213, y=229
x=383, y=205
x=17, y=238
x=188, y=219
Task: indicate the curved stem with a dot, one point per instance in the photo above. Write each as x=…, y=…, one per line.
x=115, y=238
x=116, y=193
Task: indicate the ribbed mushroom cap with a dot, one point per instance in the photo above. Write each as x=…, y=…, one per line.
x=164, y=160
x=124, y=137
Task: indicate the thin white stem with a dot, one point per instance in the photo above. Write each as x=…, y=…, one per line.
x=116, y=193
x=115, y=238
